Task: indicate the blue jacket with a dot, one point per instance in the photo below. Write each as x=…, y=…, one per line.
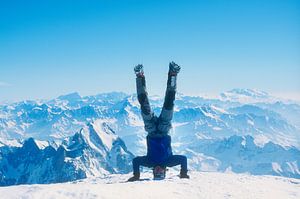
x=159, y=148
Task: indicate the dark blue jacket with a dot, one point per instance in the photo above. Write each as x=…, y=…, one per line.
x=159, y=148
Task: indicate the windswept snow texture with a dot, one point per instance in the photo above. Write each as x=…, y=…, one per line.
x=201, y=185
x=242, y=131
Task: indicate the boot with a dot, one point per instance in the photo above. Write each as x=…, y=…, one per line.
x=183, y=174
x=135, y=177
x=139, y=70
x=174, y=69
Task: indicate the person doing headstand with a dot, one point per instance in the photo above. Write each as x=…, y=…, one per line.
x=159, y=150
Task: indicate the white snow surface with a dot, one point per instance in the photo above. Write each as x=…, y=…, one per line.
x=200, y=185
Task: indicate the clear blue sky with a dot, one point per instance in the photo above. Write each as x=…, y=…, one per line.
x=49, y=48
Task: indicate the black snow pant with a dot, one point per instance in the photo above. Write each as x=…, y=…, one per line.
x=172, y=161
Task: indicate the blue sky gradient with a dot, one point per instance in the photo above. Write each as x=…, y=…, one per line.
x=49, y=48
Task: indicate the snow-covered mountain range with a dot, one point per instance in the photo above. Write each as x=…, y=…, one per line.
x=243, y=130
x=94, y=150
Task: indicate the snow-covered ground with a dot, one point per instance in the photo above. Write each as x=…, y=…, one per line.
x=201, y=185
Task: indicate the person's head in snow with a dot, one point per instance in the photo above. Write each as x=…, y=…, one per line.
x=159, y=151
x=159, y=172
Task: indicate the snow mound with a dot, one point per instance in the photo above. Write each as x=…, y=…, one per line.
x=201, y=185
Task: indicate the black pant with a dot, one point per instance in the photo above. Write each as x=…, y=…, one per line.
x=172, y=161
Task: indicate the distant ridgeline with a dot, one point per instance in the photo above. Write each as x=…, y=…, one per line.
x=243, y=130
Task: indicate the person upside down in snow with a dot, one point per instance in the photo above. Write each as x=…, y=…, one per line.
x=159, y=151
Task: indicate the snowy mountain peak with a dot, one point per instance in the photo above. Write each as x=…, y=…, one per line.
x=94, y=151
x=30, y=145
x=250, y=92
x=128, y=102
x=245, y=95
x=112, y=96
x=98, y=134
x=70, y=97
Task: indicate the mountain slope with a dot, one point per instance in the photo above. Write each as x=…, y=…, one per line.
x=241, y=155
x=94, y=151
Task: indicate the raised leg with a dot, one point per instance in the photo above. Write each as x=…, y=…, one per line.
x=147, y=114
x=167, y=110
